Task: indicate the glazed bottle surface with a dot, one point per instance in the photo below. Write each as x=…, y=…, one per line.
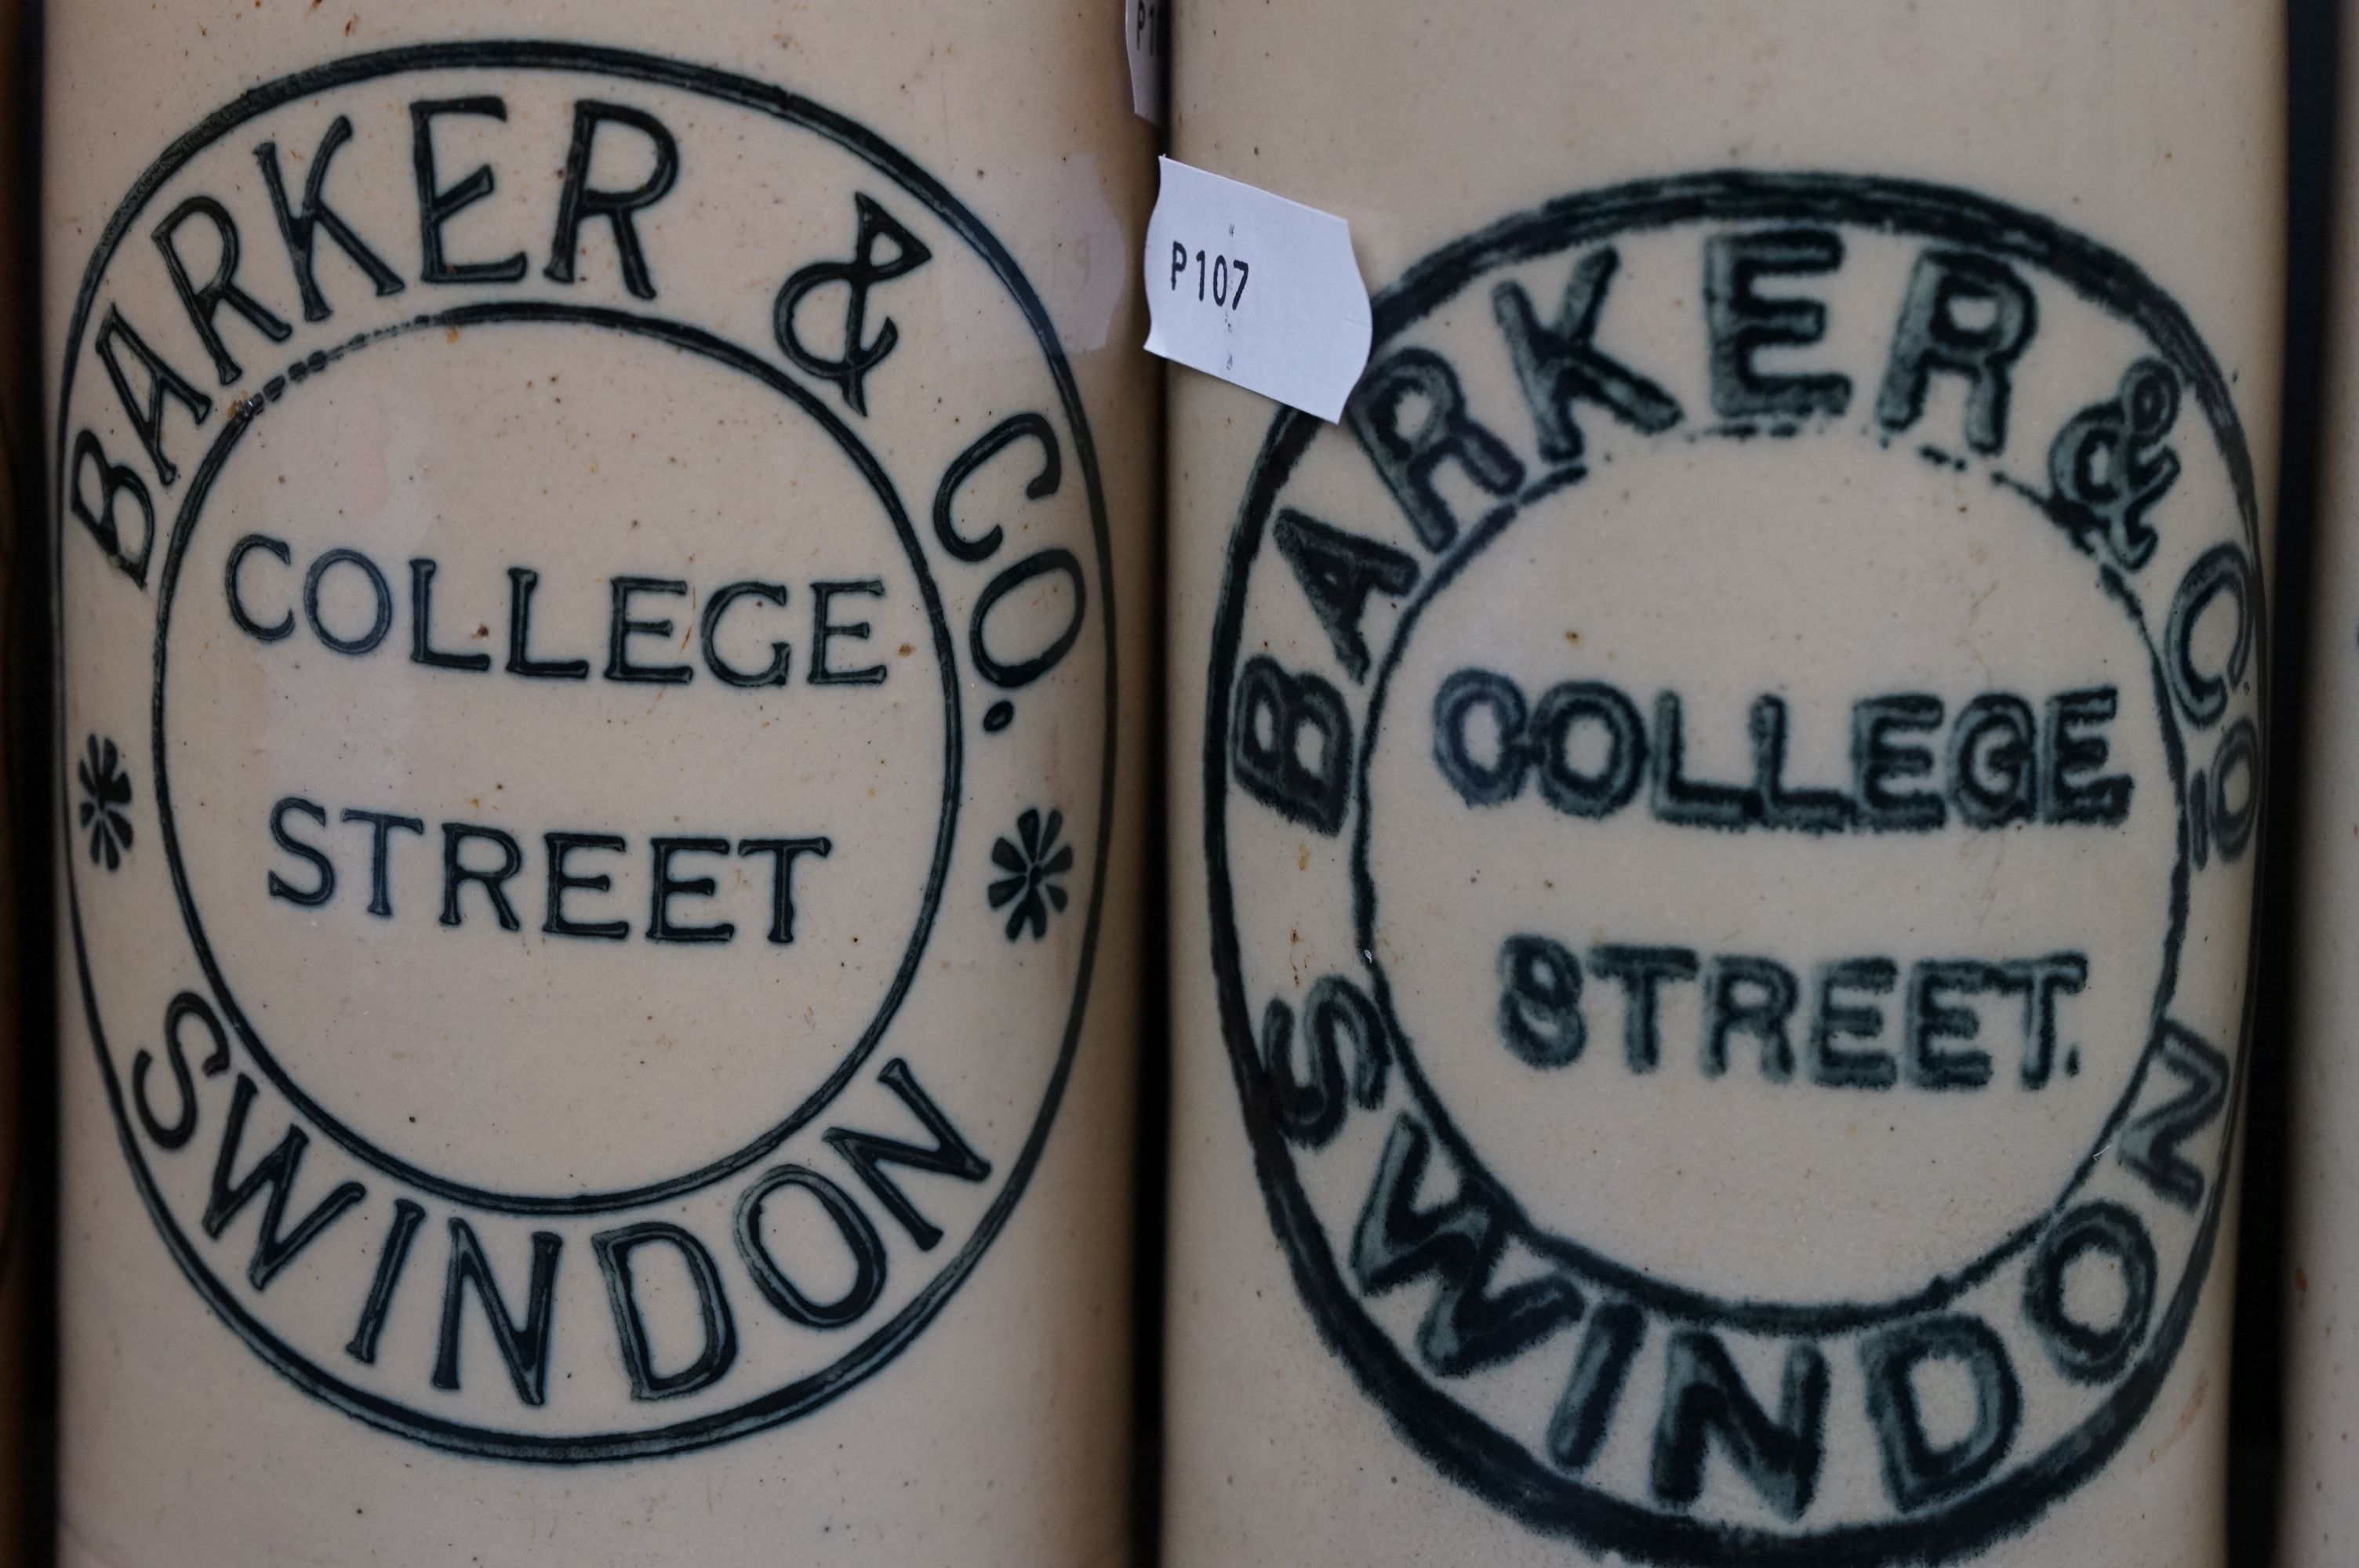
x=600, y=554
x=1717, y=806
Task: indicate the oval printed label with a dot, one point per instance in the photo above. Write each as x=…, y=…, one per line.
x=1731, y=775
x=588, y=721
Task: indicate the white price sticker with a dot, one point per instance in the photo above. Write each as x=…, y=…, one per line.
x=1256, y=290
x=1146, y=30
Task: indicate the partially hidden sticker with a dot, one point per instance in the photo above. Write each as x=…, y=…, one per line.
x=1256, y=290
x=1146, y=31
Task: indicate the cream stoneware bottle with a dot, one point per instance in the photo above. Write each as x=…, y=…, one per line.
x=600, y=551
x=1718, y=803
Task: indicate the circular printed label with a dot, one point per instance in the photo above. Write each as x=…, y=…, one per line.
x=587, y=710
x=1731, y=783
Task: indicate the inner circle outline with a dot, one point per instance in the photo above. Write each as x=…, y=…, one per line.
x=713, y=349
x=1686, y=1303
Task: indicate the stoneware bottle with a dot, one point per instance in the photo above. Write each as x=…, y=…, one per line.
x=598, y=546
x=1718, y=803
x=2319, y=1512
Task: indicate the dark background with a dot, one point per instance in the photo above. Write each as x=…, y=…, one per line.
x=2255, y=1403
x=26, y=844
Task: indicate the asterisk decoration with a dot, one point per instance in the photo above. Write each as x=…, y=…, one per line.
x=107, y=789
x=1031, y=868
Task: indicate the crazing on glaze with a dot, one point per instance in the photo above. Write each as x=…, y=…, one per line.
x=1724, y=1111
x=471, y=825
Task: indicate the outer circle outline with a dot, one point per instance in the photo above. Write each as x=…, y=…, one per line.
x=1469, y=1450
x=889, y=1339
x=729, y=356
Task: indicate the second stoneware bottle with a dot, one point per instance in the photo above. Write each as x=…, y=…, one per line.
x=1719, y=802
x=594, y=550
